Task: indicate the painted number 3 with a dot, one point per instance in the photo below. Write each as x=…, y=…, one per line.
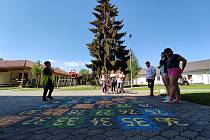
x=103, y=121
x=69, y=121
x=135, y=122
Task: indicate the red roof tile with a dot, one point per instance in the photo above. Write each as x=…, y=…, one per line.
x=23, y=64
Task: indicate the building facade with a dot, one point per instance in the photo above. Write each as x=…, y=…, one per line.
x=197, y=72
x=18, y=73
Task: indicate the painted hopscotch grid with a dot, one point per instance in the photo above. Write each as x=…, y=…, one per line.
x=127, y=113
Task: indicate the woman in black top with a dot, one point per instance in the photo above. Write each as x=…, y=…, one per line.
x=174, y=73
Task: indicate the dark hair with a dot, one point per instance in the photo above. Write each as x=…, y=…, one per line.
x=147, y=62
x=167, y=50
x=47, y=62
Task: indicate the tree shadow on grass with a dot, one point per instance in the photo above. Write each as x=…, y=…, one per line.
x=199, y=98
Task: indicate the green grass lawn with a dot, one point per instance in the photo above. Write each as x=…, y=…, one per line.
x=8, y=88
x=78, y=88
x=69, y=88
x=199, y=98
x=158, y=87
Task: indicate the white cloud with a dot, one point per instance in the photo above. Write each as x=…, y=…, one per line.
x=51, y=60
x=75, y=63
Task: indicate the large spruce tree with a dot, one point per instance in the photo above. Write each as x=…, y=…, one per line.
x=107, y=47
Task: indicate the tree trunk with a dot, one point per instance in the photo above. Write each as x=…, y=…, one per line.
x=37, y=81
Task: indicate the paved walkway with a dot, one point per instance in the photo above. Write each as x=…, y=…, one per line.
x=68, y=93
x=101, y=118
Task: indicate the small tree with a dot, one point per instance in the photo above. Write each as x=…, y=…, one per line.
x=37, y=71
x=134, y=66
x=1, y=59
x=84, y=72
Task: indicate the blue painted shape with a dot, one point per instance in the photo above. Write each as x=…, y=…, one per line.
x=44, y=106
x=90, y=100
x=136, y=122
x=70, y=102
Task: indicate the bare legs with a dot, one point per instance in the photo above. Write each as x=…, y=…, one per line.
x=174, y=87
x=166, y=82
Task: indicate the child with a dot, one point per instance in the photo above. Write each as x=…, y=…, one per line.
x=104, y=81
x=113, y=81
x=120, y=81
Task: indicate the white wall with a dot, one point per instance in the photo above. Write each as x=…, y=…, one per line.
x=142, y=81
x=205, y=78
x=199, y=78
x=196, y=79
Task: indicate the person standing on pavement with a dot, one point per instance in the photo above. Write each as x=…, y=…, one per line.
x=48, y=81
x=120, y=81
x=164, y=74
x=113, y=81
x=174, y=73
x=151, y=74
x=104, y=82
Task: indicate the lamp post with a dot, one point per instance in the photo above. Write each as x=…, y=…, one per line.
x=131, y=72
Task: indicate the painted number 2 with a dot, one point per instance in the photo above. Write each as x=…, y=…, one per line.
x=36, y=121
x=128, y=111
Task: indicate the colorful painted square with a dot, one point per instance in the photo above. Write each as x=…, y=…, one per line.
x=55, y=112
x=102, y=112
x=122, y=106
x=83, y=106
x=66, y=122
x=104, y=103
x=10, y=120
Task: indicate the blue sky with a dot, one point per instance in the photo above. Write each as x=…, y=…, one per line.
x=57, y=30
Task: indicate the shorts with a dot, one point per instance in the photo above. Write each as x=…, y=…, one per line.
x=150, y=83
x=174, y=72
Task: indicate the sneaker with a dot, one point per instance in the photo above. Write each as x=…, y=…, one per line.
x=151, y=96
x=45, y=100
x=177, y=100
x=168, y=101
x=165, y=98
